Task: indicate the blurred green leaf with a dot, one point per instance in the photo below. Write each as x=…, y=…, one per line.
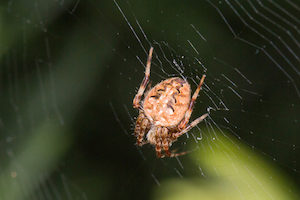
x=35, y=157
x=232, y=171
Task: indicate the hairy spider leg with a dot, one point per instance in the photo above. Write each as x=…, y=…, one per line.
x=138, y=96
x=190, y=126
x=165, y=141
x=158, y=142
x=188, y=113
x=142, y=126
x=178, y=134
x=175, y=154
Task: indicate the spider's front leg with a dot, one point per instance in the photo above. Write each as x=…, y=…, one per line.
x=165, y=137
x=138, y=96
x=163, y=140
x=158, y=149
x=157, y=137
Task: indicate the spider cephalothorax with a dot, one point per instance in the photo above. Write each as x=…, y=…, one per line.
x=165, y=111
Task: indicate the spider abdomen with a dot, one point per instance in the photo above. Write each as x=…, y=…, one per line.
x=167, y=102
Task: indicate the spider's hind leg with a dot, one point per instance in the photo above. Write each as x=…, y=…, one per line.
x=142, y=126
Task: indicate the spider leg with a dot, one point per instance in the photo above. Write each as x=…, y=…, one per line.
x=188, y=113
x=158, y=141
x=190, y=126
x=138, y=96
x=142, y=126
x=175, y=135
x=148, y=88
x=165, y=141
x=175, y=154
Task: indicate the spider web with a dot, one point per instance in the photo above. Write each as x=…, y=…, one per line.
x=69, y=72
x=243, y=94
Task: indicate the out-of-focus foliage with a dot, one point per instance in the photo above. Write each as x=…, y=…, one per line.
x=34, y=156
x=232, y=171
x=68, y=73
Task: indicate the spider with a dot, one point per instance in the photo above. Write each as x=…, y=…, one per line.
x=165, y=111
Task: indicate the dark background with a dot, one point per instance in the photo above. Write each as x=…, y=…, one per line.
x=74, y=66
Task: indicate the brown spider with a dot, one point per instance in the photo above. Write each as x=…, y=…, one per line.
x=165, y=111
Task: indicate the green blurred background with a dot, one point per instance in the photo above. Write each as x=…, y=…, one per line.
x=70, y=69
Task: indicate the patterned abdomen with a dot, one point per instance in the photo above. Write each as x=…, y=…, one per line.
x=167, y=103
